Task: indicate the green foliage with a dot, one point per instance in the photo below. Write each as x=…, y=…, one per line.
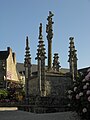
x=3, y=93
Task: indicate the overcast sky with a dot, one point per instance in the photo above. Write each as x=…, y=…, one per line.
x=21, y=18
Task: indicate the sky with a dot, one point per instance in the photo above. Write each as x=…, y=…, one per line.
x=21, y=18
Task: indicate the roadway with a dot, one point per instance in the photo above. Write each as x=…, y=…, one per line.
x=22, y=115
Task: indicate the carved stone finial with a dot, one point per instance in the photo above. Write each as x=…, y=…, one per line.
x=71, y=38
x=49, y=29
x=27, y=43
x=40, y=31
x=50, y=15
x=27, y=55
x=56, y=62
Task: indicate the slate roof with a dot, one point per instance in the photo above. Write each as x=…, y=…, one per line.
x=20, y=68
x=3, y=55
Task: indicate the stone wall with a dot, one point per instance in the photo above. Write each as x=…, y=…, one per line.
x=33, y=86
x=56, y=85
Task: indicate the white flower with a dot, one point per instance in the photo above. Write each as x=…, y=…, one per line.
x=84, y=110
x=69, y=96
x=87, y=83
x=74, y=80
x=87, y=77
x=77, y=96
x=80, y=94
x=75, y=88
x=69, y=105
x=85, y=87
x=88, y=92
x=89, y=98
x=81, y=73
x=83, y=80
x=69, y=91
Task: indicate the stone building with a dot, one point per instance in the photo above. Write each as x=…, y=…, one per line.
x=8, y=71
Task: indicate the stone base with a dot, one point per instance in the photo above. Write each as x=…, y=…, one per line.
x=50, y=105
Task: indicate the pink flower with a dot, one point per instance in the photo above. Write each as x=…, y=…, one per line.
x=89, y=98
x=87, y=77
x=88, y=70
x=77, y=96
x=88, y=92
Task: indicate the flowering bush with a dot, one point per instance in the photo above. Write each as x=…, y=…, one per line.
x=79, y=95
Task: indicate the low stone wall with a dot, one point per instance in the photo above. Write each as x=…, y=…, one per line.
x=51, y=104
x=42, y=109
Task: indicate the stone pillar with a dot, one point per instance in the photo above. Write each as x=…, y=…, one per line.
x=41, y=63
x=72, y=59
x=56, y=62
x=49, y=32
x=27, y=65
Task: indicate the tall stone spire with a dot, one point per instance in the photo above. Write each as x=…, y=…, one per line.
x=41, y=63
x=27, y=54
x=27, y=65
x=49, y=32
x=72, y=58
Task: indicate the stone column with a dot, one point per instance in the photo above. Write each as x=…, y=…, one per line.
x=41, y=63
x=72, y=59
x=49, y=32
x=27, y=65
x=56, y=62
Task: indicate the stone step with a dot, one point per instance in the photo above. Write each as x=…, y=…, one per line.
x=8, y=108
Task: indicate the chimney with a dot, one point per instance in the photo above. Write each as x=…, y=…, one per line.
x=9, y=50
x=14, y=57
